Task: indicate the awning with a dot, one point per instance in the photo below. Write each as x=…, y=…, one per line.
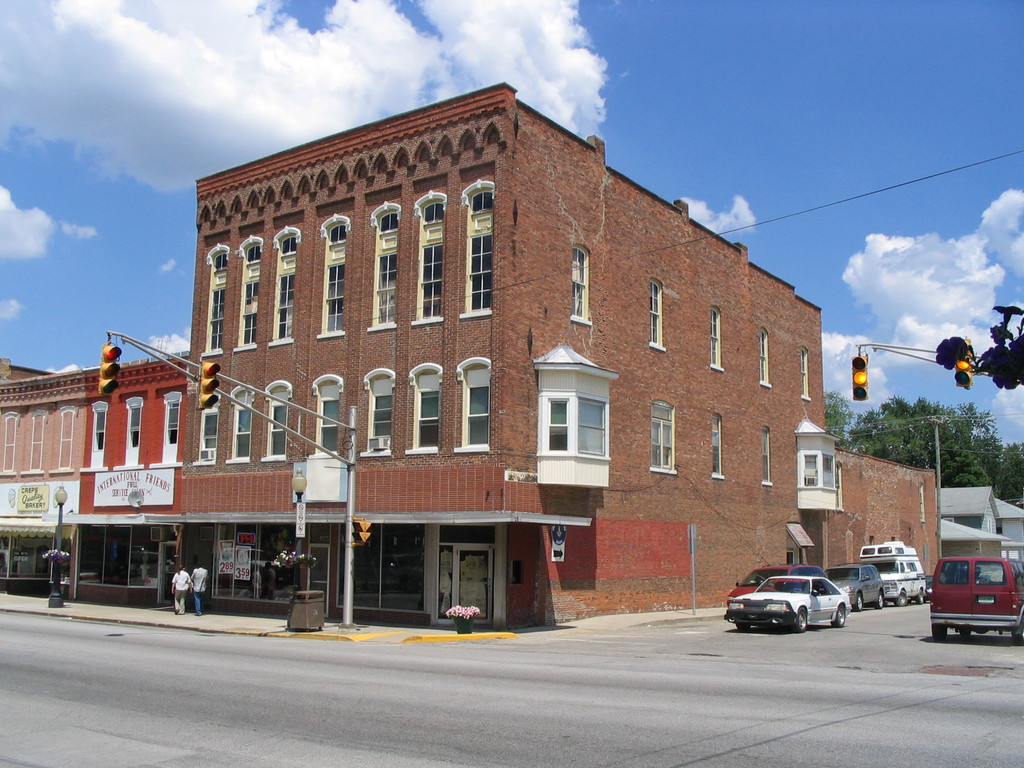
x=799, y=535
x=481, y=517
x=26, y=524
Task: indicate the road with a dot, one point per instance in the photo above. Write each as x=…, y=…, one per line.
x=878, y=692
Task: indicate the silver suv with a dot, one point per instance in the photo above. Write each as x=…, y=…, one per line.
x=863, y=583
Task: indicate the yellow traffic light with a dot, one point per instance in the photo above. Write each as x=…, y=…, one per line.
x=208, y=383
x=109, y=369
x=360, y=531
x=964, y=375
x=860, y=377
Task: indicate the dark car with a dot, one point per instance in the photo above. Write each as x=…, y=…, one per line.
x=753, y=579
x=862, y=581
x=978, y=594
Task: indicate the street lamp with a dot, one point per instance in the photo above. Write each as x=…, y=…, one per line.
x=56, y=598
x=299, y=488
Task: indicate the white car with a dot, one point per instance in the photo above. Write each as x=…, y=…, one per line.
x=790, y=601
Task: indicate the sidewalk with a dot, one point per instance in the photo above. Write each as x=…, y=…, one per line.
x=276, y=626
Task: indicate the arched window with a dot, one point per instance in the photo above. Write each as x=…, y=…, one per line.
x=479, y=201
x=716, y=338
x=277, y=438
x=657, y=321
x=385, y=221
x=580, y=284
x=327, y=390
x=762, y=346
x=475, y=376
x=380, y=384
x=426, y=382
x=430, y=209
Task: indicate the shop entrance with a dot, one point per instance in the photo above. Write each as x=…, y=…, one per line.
x=465, y=577
x=167, y=571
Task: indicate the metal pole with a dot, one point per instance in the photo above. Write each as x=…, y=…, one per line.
x=350, y=506
x=56, y=597
x=938, y=494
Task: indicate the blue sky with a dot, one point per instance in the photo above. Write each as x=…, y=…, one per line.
x=111, y=109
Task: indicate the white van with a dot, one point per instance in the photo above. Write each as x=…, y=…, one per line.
x=901, y=571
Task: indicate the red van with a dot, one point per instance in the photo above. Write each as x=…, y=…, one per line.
x=978, y=594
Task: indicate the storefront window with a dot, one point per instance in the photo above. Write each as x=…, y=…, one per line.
x=118, y=554
x=389, y=570
x=244, y=561
x=25, y=557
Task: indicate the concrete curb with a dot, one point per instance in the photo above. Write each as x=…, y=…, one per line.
x=457, y=637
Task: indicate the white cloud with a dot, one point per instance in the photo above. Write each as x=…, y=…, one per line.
x=25, y=232
x=173, y=343
x=923, y=289
x=77, y=231
x=836, y=352
x=168, y=92
x=169, y=265
x=1000, y=225
x=739, y=216
x=1008, y=407
x=10, y=309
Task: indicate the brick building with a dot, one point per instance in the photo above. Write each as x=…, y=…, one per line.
x=41, y=427
x=128, y=515
x=557, y=375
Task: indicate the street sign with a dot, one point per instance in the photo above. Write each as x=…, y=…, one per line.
x=300, y=520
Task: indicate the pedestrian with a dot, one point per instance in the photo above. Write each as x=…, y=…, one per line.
x=269, y=580
x=199, y=579
x=181, y=583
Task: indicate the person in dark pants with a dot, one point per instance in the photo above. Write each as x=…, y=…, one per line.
x=269, y=580
x=200, y=578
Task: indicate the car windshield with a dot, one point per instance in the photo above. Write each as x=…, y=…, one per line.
x=797, y=586
x=755, y=577
x=838, y=574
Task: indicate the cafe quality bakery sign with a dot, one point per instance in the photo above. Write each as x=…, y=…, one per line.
x=113, y=489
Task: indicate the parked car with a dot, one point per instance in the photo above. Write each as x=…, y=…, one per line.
x=863, y=582
x=902, y=573
x=790, y=601
x=978, y=594
x=753, y=579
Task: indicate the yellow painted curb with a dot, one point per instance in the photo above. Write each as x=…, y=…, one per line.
x=471, y=636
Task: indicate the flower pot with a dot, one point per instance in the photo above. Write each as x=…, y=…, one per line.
x=463, y=626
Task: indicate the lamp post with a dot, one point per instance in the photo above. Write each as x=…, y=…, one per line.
x=299, y=488
x=56, y=598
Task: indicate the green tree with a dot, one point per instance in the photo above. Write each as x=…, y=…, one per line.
x=1009, y=479
x=838, y=416
x=904, y=432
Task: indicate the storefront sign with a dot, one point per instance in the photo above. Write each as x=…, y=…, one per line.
x=558, y=534
x=33, y=499
x=155, y=485
x=225, y=558
x=243, y=563
x=245, y=539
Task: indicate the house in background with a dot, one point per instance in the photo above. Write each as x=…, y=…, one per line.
x=975, y=522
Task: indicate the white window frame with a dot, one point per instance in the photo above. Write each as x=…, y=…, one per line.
x=763, y=361
x=217, y=259
x=580, y=276
x=573, y=428
x=248, y=322
x=284, y=298
x=656, y=295
x=818, y=467
x=766, y=456
x=328, y=391
x=98, y=440
x=717, y=467
x=425, y=381
x=429, y=307
x=474, y=374
x=663, y=420
x=278, y=413
x=133, y=431
x=379, y=384
x=385, y=272
x=37, y=422
x=10, y=442
x=172, y=427
x=716, y=338
x=333, y=317
x=805, y=381
x=209, y=427
x=66, y=446
x=480, y=226
x=241, y=427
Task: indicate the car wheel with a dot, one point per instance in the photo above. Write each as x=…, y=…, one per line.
x=920, y=597
x=801, y=621
x=858, y=603
x=964, y=632
x=839, y=620
x=939, y=632
x=902, y=599
x=880, y=602
x=1017, y=635
x=742, y=626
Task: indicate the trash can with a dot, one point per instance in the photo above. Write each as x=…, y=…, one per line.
x=306, y=612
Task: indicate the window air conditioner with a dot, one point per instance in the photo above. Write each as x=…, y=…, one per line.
x=380, y=443
x=207, y=454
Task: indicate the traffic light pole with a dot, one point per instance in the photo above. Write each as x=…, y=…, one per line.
x=193, y=371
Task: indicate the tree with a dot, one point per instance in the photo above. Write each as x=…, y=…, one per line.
x=904, y=432
x=838, y=415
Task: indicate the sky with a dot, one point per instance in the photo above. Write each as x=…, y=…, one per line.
x=870, y=153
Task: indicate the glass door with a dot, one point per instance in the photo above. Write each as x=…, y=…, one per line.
x=465, y=578
x=167, y=570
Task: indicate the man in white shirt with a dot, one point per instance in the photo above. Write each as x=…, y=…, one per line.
x=199, y=578
x=181, y=583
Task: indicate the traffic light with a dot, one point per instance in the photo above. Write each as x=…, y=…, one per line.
x=964, y=375
x=860, y=377
x=360, y=531
x=109, y=368
x=208, y=383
